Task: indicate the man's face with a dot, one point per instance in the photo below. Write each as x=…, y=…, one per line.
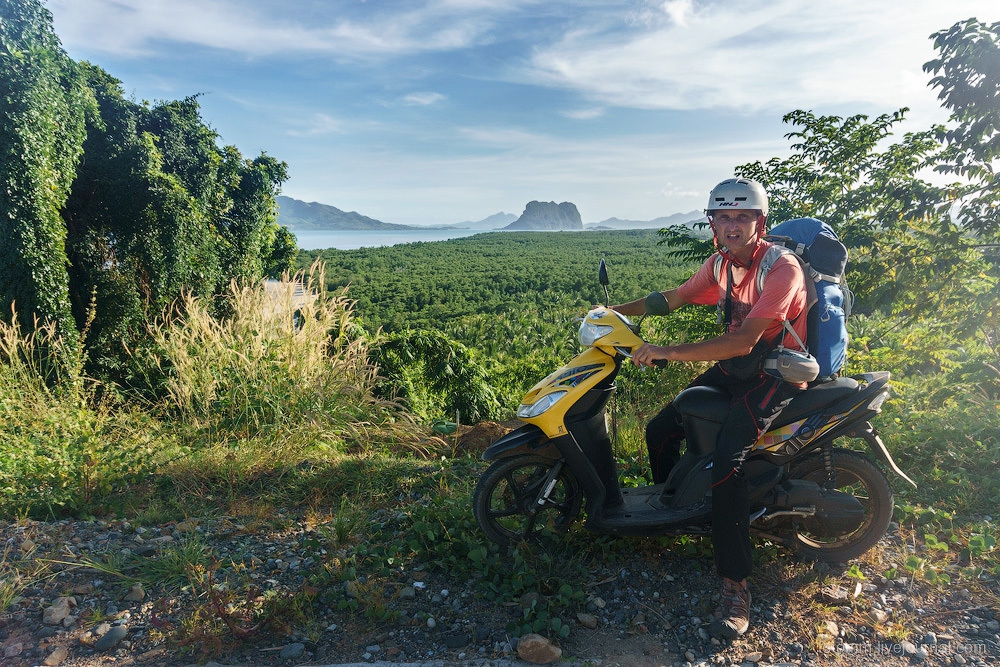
x=735, y=229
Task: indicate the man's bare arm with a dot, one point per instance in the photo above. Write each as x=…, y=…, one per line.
x=726, y=346
x=638, y=307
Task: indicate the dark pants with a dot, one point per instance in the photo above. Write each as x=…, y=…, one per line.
x=753, y=406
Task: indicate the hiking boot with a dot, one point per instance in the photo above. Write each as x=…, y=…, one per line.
x=732, y=618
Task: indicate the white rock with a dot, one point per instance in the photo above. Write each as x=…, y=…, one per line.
x=537, y=650
x=136, y=593
x=58, y=611
x=56, y=658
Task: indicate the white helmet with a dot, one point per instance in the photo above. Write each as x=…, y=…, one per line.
x=738, y=193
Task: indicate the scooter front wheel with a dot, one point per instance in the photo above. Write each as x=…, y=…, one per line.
x=526, y=497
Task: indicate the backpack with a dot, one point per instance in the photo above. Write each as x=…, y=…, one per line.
x=823, y=258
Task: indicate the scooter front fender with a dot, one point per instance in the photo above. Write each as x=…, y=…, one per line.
x=527, y=439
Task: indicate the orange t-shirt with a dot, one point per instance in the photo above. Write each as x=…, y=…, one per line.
x=783, y=296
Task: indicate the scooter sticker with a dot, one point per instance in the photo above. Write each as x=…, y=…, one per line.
x=803, y=431
x=772, y=440
x=790, y=438
x=574, y=376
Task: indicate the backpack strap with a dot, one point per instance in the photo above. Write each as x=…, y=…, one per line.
x=817, y=276
x=767, y=261
x=790, y=329
x=770, y=257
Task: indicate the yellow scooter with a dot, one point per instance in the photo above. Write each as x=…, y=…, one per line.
x=823, y=501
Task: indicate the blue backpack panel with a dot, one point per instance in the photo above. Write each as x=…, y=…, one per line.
x=824, y=259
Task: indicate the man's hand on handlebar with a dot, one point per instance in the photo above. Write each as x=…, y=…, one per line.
x=650, y=355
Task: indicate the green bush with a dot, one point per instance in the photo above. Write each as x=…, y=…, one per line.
x=62, y=448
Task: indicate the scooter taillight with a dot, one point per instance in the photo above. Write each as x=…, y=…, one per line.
x=875, y=405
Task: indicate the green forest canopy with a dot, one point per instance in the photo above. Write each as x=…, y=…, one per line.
x=420, y=285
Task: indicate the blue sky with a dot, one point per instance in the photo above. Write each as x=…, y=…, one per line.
x=442, y=111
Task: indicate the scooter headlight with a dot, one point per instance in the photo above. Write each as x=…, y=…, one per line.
x=590, y=333
x=540, y=406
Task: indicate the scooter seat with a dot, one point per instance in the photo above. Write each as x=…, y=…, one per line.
x=816, y=397
x=707, y=403
x=712, y=404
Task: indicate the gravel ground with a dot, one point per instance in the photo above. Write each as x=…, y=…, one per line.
x=651, y=608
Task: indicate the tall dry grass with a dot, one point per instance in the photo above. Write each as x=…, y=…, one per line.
x=282, y=379
x=280, y=383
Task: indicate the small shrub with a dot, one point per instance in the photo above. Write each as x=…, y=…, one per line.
x=63, y=447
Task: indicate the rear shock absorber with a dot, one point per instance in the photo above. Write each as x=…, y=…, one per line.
x=831, y=471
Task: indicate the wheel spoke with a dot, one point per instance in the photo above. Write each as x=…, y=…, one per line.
x=506, y=499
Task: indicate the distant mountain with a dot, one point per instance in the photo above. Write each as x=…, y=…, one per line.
x=658, y=223
x=299, y=215
x=495, y=221
x=296, y=214
x=548, y=216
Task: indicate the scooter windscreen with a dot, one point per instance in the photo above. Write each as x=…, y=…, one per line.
x=603, y=322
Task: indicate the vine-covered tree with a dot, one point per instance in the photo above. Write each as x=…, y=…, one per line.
x=155, y=207
x=42, y=107
x=130, y=243
x=158, y=209
x=250, y=243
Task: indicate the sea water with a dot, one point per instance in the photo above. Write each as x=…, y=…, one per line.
x=350, y=239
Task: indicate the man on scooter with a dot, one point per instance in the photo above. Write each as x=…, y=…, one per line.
x=753, y=322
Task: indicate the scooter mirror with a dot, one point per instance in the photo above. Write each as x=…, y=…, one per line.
x=656, y=304
x=602, y=273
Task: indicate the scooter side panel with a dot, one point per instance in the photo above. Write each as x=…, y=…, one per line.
x=584, y=372
x=790, y=438
x=591, y=436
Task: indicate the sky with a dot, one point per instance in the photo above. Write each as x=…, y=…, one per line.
x=445, y=111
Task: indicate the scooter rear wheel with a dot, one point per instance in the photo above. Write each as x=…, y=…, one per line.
x=510, y=503
x=859, y=476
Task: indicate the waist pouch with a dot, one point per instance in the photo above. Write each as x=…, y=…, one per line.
x=791, y=365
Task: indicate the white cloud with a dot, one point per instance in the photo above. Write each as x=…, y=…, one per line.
x=753, y=56
x=679, y=10
x=672, y=191
x=317, y=125
x=585, y=114
x=267, y=27
x=423, y=99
